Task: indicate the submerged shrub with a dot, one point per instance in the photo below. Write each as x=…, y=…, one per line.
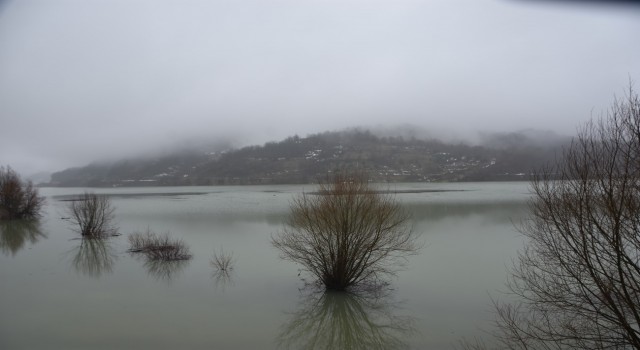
x=158, y=247
x=222, y=260
x=223, y=263
x=140, y=240
x=18, y=199
x=93, y=214
x=347, y=234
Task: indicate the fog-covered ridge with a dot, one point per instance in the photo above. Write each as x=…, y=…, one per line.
x=493, y=156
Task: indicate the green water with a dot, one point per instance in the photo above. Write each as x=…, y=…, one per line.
x=60, y=292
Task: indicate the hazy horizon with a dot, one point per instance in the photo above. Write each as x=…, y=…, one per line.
x=175, y=147
x=83, y=81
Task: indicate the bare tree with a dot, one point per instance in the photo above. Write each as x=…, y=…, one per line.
x=159, y=247
x=93, y=214
x=347, y=233
x=578, y=279
x=18, y=199
x=222, y=261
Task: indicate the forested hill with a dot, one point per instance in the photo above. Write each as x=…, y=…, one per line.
x=306, y=159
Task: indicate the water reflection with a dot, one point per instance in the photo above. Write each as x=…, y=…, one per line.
x=333, y=320
x=222, y=279
x=93, y=257
x=166, y=270
x=14, y=234
x=494, y=212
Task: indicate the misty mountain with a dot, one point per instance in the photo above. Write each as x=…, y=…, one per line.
x=523, y=139
x=498, y=156
x=39, y=177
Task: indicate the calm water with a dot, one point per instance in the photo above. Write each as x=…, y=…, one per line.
x=60, y=292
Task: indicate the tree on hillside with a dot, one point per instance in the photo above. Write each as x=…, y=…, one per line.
x=578, y=279
x=347, y=233
x=18, y=199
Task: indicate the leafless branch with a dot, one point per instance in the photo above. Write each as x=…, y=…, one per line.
x=347, y=234
x=578, y=279
x=93, y=215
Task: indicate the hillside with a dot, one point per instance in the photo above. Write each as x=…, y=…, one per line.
x=306, y=159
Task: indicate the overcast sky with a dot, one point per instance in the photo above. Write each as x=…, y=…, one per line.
x=81, y=80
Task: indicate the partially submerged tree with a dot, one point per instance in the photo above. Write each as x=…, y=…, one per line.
x=578, y=279
x=93, y=214
x=222, y=261
x=158, y=247
x=18, y=199
x=164, y=256
x=347, y=233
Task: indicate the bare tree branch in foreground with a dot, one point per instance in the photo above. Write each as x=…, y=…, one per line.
x=578, y=279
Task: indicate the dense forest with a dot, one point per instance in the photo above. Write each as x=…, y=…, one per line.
x=498, y=157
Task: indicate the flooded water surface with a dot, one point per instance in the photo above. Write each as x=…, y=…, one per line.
x=58, y=291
